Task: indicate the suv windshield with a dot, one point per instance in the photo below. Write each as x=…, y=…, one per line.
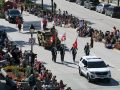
x=107, y=5
x=14, y=12
x=100, y=64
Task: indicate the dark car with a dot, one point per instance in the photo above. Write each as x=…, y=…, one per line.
x=11, y=15
x=80, y=2
x=101, y=7
x=113, y=11
x=91, y=4
x=71, y=0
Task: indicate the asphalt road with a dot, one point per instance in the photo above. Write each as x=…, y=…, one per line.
x=68, y=71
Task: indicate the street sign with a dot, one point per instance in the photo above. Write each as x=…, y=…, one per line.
x=32, y=41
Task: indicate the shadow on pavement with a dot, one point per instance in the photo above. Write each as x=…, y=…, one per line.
x=7, y=29
x=28, y=32
x=68, y=64
x=113, y=82
x=22, y=43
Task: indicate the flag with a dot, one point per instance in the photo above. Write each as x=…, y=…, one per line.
x=52, y=38
x=75, y=44
x=63, y=37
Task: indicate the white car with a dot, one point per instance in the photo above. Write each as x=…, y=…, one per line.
x=94, y=68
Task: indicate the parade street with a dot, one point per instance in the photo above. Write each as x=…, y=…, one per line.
x=68, y=71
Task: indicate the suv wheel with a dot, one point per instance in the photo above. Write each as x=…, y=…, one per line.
x=9, y=20
x=105, y=13
x=84, y=6
x=89, y=7
x=89, y=79
x=111, y=15
x=80, y=72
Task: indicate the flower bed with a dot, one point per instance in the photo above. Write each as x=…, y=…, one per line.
x=16, y=73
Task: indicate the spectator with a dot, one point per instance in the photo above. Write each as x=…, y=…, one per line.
x=62, y=85
x=22, y=8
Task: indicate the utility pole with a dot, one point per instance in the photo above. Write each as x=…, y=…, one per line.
x=52, y=6
x=118, y=2
x=42, y=4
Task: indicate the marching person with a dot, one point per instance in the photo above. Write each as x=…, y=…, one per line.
x=91, y=42
x=54, y=53
x=62, y=52
x=74, y=52
x=87, y=49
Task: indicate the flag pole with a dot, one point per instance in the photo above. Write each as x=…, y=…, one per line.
x=65, y=37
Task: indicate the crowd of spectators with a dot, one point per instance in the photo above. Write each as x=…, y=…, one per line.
x=37, y=76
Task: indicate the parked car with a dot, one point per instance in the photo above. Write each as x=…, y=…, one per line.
x=80, y=2
x=113, y=11
x=94, y=68
x=11, y=15
x=91, y=4
x=101, y=7
x=71, y=0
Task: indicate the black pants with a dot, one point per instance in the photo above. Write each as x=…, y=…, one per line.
x=87, y=53
x=54, y=57
x=62, y=57
x=74, y=56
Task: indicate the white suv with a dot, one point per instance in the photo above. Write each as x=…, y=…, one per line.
x=94, y=68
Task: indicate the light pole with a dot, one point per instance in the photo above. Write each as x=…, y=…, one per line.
x=32, y=29
x=118, y=2
x=42, y=4
x=52, y=6
x=32, y=41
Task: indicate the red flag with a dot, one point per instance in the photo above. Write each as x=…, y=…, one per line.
x=63, y=37
x=52, y=38
x=75, y=44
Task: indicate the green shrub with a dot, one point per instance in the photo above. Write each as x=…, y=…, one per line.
x=2, y=15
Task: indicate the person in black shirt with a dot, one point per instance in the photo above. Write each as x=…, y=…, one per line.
x=54, y=53
x=74, y=52
x=87, y=49
x=62, y=52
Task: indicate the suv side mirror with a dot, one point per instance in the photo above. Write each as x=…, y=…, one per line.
x=85, y=65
